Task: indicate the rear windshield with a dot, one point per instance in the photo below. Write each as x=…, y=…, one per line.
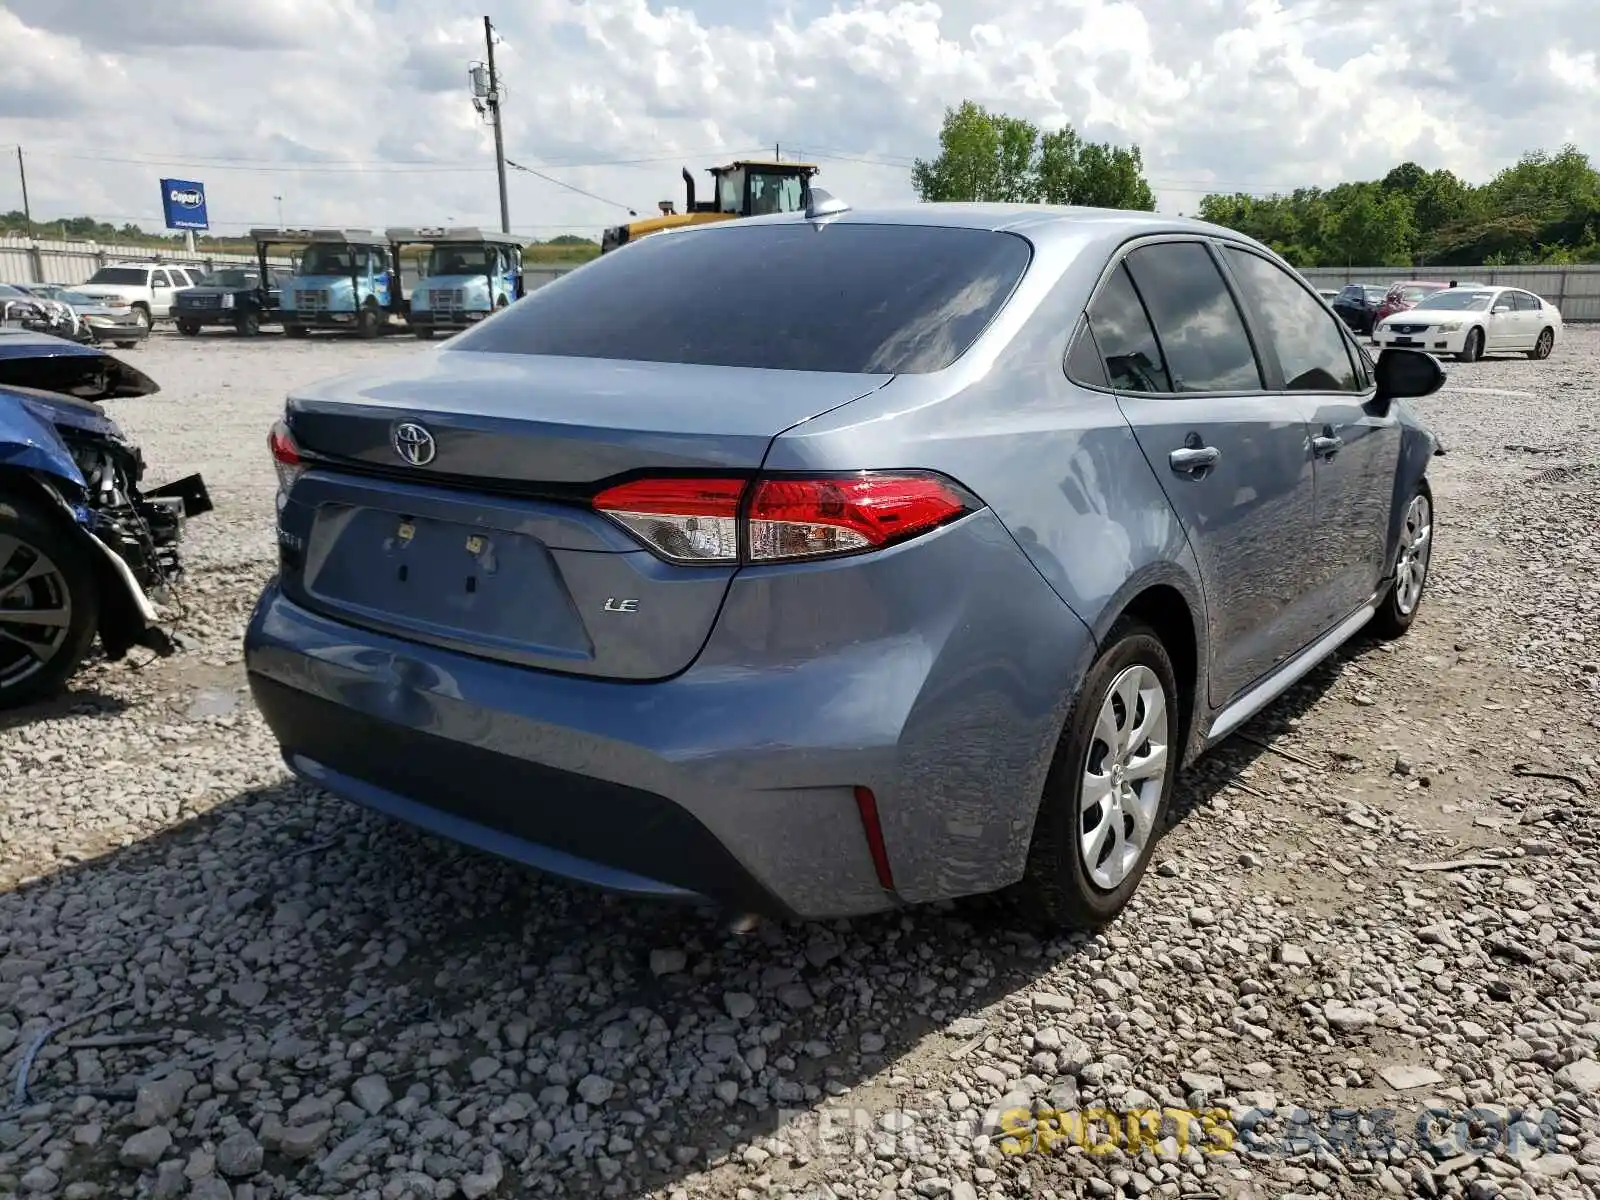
x=136, y=275
x=853, y=298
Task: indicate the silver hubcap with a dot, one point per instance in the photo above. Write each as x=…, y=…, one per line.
x=1123, y=776
x=1545, y=341
x=1416, y=544
x=35, y=610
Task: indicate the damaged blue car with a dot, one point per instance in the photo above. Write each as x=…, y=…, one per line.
x=85, y=552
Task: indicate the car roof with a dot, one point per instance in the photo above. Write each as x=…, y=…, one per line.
x=1041, y=224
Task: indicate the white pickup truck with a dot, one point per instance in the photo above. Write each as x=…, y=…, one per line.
x=147, y=288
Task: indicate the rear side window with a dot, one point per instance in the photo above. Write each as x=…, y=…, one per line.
x=1083, y=360
x=855, y=298
x=139, y=276
x=1132, y=358
x=1311, y=347
x=1201, y=332
x=1525, y=302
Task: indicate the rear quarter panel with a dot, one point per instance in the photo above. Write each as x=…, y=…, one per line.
x=1057, y=463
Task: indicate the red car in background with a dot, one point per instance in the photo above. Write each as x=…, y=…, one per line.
x=1404, y=294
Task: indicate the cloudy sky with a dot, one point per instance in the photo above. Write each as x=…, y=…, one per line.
x=356, y=111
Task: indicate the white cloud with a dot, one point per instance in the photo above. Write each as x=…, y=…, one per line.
x=613, y=96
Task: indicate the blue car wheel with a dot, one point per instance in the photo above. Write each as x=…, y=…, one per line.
x=49, y=608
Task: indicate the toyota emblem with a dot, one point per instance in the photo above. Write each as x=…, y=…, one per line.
x=414, y=444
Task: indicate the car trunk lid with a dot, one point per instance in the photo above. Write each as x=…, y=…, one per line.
x=488, y=546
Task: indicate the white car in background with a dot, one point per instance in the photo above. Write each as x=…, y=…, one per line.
x=1470, y=322
x=147, y=288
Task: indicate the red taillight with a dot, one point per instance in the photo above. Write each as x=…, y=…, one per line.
x=867, y=806
x=686, y=520
x=701, y=520
x=805, y=518
x=285, y=458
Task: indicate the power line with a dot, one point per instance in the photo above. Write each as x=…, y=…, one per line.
x=571, y=187
x=382, y=166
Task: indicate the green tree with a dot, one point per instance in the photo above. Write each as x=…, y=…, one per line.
x=1543, y=208
x=989, y=156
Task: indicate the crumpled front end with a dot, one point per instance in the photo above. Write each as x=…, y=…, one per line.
x=59, y=448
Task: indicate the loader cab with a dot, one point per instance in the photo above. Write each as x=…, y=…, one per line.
x=745, y=188
x=755, y=189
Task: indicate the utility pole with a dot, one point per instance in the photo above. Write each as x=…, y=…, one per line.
x=493, y=102
x=22, y=171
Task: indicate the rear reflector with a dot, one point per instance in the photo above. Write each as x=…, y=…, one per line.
x=867, y=806
x=781, y=519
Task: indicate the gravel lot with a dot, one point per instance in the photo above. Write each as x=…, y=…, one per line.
x=294, y=998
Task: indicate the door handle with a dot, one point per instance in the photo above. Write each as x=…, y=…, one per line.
x=1194, y=460
x=1326, y=446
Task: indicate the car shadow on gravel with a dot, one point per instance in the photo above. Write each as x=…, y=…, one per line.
x=75, y=702
x=319, y=943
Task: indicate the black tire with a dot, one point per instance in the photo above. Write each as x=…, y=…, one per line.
x=1545, y=344
x=424, y=332
x=1057, y=884
x=367, y=322
x=188, y=328
x=126, y=345
x=1473, y=350
x=248, y=323
x=1397, y=610
x=29, y=531
x=142, y=315
x=295, y=331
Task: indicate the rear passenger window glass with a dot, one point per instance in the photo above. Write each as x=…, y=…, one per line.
x=848, y=297
x=1311, y=349
x=1201, y=332
x=1524, y=301
x=1132, y=357
x=1083, y=360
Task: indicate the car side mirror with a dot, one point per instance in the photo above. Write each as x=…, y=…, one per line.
x=1407, y=374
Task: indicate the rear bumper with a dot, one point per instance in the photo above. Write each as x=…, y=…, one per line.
x=734, y=780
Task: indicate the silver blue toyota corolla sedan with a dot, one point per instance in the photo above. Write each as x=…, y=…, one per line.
x=828, y=562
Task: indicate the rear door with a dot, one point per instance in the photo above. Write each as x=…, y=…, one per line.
x=1355, y=448
x=1529, y=322
x=1231, y=457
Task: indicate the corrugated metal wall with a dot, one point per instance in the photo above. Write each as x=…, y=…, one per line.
x=1573, y=290
x=26, y=260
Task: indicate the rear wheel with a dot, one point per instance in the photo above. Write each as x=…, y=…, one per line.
x=295, y=331
x=367, y=321
x=126, y=345
x=1107, y=792
x=1398, y=608
x=1545, y=344
x=188, y=328
x=49, y=608
x=1473, y=350
x=423, y=332
x=248, y=323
